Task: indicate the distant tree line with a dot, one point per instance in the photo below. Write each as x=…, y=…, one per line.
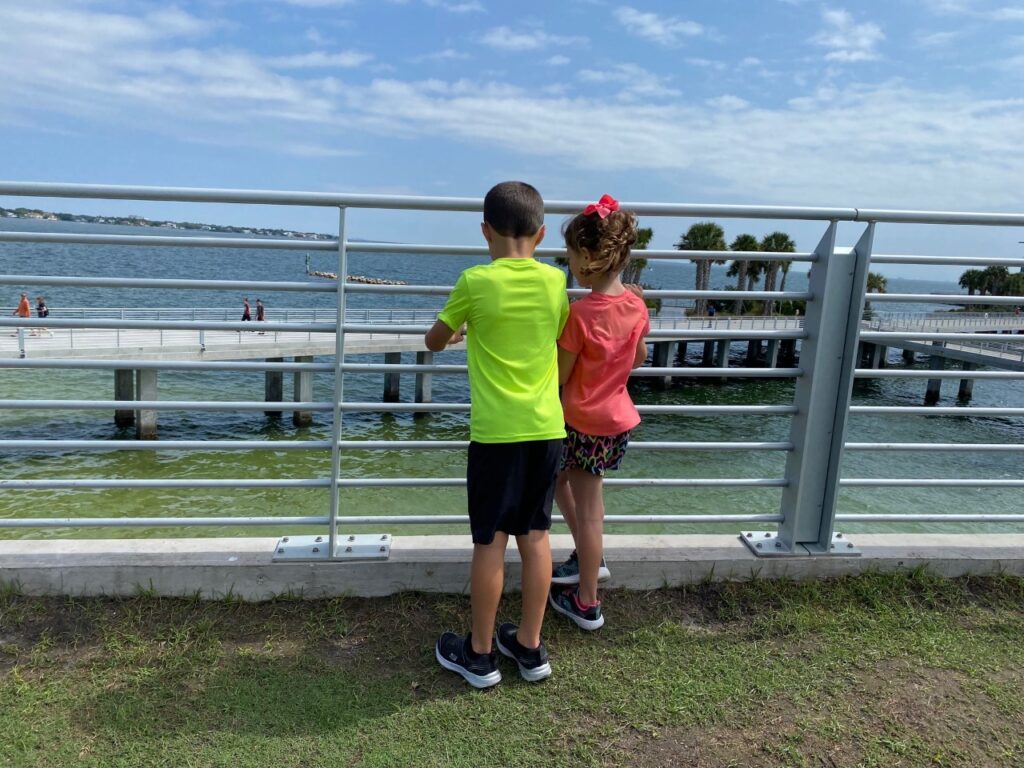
x=992, y=281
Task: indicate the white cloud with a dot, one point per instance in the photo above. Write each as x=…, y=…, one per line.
x=448, y=54
x=664, y=30
x=1007, y=14
x=636, y=82
x=937, y=39
x=970, y=8
x=470, y=6
x=319, y=3
x=728, y=103
x=557, y=61
x=505, y=39
x=846, y=40
x=321, y=60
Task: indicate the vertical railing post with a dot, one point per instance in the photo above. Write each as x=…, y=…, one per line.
x=828, y=357
x=339, y=386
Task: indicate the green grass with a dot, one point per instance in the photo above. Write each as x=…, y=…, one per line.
x=876, y=670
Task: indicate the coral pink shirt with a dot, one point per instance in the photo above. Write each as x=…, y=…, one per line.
x=603, y=331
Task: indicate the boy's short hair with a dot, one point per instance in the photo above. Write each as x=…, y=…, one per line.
x=514, y=209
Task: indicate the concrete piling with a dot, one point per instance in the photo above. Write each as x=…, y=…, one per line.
x=302, y=391
x=146, y=389
x=273, y=386
x=124, y=389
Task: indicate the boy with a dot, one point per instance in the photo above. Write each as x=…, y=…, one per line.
x=514, y=309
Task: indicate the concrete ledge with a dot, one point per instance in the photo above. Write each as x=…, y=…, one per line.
x=215, y=568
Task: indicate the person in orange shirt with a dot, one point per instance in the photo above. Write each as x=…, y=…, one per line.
x=23, y=310
x=602, y=342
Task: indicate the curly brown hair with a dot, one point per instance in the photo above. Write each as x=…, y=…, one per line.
x=607, y=240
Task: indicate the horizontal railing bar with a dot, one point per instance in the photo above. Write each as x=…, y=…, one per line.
x=935, y=446
x=948, y=298
x=179, y=241
x=657, y=333
x=375, y=445
x=165, y=522
x=909, y=335
x=102, y=483
x=975, y=261
x=162, y=405
x=164, y=445
x=927, y=482
x=421, y=249
x=475, y=204
x=752, y=410
x=679, y=372
x=362, y=482
x=926, y=410
x=911, y=518
x=166, y=283
x=153, y=522
x=161, y=365
x=174, y=325
x=896, y=373
x=654, y=293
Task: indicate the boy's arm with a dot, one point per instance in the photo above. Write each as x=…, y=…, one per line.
x=566, y=361
x=440, y=336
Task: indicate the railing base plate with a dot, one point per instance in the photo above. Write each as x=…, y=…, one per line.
x=363, y=546
x=768, y=544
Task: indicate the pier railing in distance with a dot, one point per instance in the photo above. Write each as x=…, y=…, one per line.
x=829, y=336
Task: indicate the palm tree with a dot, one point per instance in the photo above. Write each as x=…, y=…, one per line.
x=877, y=283
x=994, y=280
x=703, y=236
x=775, y=242
x=973, y=280
x=740, y=268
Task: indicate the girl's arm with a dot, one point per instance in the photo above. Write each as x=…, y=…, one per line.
x=640, y=356
x=566, y=361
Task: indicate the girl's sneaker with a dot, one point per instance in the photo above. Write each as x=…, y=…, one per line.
x=533, y=662
x=567, y=603
x=454, y=652
x=569, y=571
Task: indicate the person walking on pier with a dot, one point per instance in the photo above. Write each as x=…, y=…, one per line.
x=22, y=310
x=261, y=313
x=246, y=316
x=514, y=309
x=602, y=342
x=42, y=311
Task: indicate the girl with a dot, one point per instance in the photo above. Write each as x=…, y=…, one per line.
x=602, y=342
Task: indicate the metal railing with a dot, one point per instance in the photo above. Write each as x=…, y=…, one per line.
x=828, y=334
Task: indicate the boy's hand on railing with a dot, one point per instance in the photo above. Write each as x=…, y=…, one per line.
x=458, y=337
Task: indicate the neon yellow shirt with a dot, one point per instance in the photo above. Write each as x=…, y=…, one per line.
x=514, y=311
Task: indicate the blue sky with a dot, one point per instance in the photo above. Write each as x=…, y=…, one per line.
x=907, y=104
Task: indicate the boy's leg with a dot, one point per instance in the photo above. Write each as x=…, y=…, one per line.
x=587, y=490
x=535, y=552
x=486, y=581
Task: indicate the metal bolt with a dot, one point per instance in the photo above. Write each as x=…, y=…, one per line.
x=285, y=539
x=831, y=546
x=315, y=550
x=778, y=544
x=280, y=551
x=758, y=545
x=750, y=535
x=384, y=537
x=839, y=535
x=348, y=549
x=849, y=546
x=319, y=539
x=351, y=538
x=383, y=549
x=767, y=535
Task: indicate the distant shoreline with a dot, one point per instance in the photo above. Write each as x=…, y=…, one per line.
x=139, y=221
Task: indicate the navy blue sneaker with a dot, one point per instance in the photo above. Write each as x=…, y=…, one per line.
x=455, y=652
x=533, y=662
x=569, y=571
x=567, y=603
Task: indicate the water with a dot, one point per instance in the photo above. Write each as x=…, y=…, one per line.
x=252, y=264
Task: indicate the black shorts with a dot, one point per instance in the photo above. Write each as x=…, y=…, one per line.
x=510, y=487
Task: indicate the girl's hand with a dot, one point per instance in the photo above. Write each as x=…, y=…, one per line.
x=635, y=288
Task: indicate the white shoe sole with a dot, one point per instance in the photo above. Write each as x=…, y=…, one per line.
x=582, y=623
x=603, y=574
x=477, y=681
x=530, y=674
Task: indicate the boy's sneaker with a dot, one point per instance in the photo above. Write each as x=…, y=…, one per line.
x=455, y=652
x=569, y=571
x=567, y=603
x=533, y=662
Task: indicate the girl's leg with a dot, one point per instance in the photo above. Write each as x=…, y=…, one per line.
x=565, y=501
x=587, y=492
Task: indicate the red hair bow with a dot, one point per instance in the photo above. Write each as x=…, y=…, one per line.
x=607, y=204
